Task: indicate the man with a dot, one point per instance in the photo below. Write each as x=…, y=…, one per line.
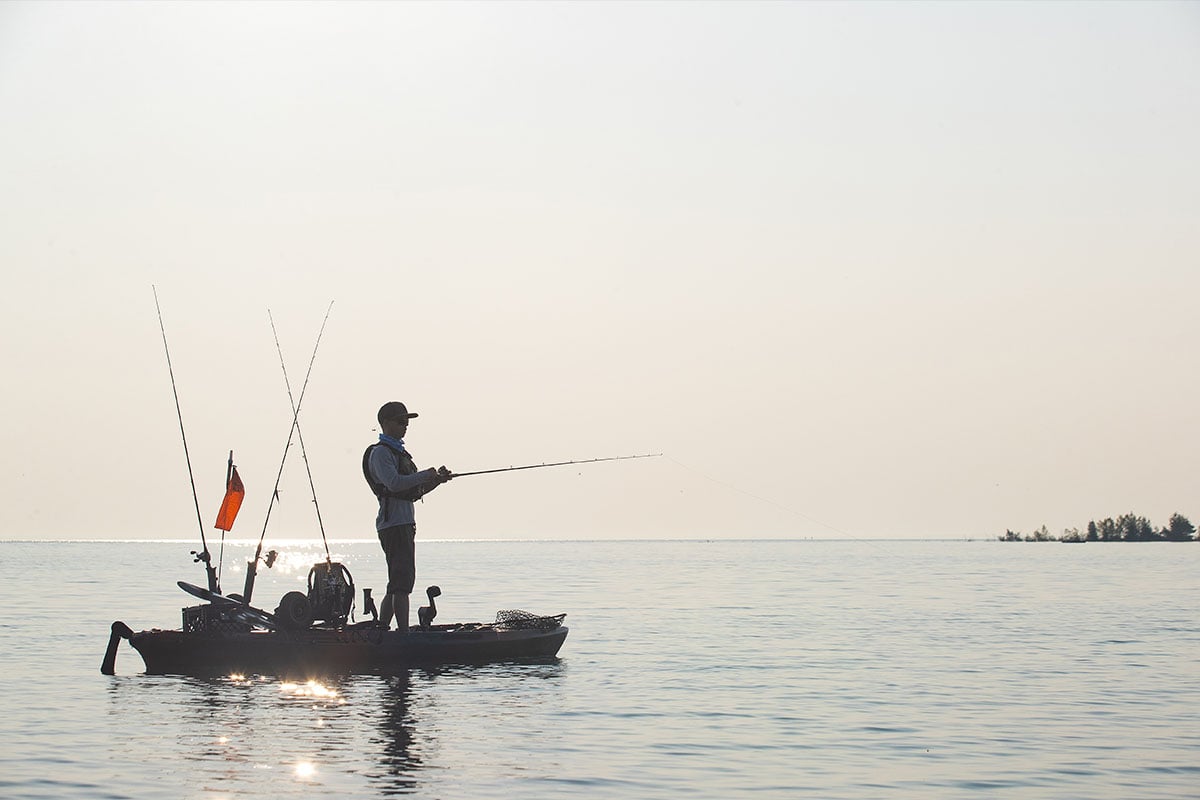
x=395, y=480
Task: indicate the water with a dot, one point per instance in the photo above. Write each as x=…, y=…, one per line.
x=699, y=669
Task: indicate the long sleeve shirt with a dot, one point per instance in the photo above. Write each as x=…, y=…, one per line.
x=397, y=473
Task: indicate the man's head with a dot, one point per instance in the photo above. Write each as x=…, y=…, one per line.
x=393, y=419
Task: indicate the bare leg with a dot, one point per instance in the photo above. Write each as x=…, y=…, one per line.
x=386, y=610
x=400, y=606
x=394, y=605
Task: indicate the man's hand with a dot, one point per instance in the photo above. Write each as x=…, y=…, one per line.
x=436, y=477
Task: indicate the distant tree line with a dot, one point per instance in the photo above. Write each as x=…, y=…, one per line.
x=1125, y=528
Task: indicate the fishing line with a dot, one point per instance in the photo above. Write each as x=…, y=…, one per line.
x=299, y=433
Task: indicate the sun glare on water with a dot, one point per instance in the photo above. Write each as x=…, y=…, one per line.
x=305, y=770
x=309, y=689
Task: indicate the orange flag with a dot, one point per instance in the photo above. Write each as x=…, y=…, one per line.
x=234, y=492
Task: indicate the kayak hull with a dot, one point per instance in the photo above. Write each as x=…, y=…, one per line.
x=323, y=651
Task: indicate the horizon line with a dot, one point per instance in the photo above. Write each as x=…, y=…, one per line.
x=307, y=542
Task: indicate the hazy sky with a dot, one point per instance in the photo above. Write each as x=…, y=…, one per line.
x=868, y=270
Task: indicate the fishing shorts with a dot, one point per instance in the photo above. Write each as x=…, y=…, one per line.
x=399, y=546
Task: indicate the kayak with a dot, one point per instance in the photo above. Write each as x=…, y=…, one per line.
x=230, y=636
x=362, y=648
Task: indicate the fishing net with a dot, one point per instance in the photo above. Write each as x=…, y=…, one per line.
x=515, y=619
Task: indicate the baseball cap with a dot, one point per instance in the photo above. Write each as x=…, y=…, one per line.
x=393, y=410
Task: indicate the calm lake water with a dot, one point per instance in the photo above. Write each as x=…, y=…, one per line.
x=693, y=669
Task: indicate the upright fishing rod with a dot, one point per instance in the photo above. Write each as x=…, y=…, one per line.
x=252, y=567
x=203, y=555
x=228, y=483
x=555, y=464
x=300, y=436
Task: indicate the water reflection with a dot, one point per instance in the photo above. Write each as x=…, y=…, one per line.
x=354, y=736
x=357, y=735
x=398, y=754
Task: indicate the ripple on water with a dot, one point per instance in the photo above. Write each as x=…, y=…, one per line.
x=785, y=669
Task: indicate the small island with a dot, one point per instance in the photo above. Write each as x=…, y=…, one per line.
x=1125, y=528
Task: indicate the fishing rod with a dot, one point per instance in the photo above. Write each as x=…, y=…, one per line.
x=300, y=435
x=228, y=483
x=555, y=464
x=252, y=567
x=203, y=555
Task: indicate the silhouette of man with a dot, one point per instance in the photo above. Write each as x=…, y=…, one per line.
x=397, y=483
